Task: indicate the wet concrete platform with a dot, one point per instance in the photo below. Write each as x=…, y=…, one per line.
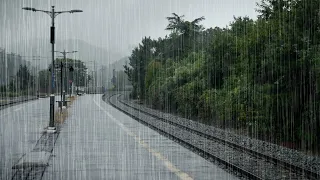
x=33, y=159
x=20, y=128
x=99, y=142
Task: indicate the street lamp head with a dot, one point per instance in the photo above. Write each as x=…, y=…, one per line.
x=75, y=11
x=74, y=51
x=29, y=9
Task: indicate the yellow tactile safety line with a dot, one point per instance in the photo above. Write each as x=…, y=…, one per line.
x=182, y=175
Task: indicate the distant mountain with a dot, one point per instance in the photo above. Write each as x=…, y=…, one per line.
x=86, y=52
x=118, y=65
x=105, y=73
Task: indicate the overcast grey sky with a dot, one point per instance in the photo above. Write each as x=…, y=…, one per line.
x=117, y=25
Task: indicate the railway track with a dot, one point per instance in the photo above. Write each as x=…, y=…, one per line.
x=247, y=162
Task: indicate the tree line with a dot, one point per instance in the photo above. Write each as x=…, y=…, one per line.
x=26, y=82
x=260, y=77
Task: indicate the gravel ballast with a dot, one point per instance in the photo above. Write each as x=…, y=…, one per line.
x=251, y=163
x=291, y=156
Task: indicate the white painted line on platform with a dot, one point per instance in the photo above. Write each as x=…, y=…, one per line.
x=182, y=175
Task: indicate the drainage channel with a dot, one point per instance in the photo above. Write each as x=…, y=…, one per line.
x=32, y=165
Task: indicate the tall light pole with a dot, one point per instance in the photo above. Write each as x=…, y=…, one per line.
x=52, y=14
x=63, y=85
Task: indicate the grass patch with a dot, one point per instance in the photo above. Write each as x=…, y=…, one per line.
x=61, y=115
x=71, y=99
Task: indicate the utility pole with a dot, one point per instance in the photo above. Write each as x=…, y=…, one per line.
x=51, y=127
x=61, y=85
x=72, y=79
x=64, y=85
x=52, y=14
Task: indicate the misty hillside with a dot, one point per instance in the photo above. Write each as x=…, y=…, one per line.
x=86, y=52
x=105, y=73
x=118, y=65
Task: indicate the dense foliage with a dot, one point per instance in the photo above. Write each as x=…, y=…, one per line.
x=258, y=76
x=121, y=81
x=44, y=81
x=77, y=76
x=22, y=82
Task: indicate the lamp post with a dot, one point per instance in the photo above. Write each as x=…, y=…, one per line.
x=52, y=14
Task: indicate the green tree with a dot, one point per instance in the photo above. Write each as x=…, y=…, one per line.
x=138, y=62
x=24, y=78
x=44, y=80
x=187, y=30
x=121, y=80
x=77, y=75
x=260, y=76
